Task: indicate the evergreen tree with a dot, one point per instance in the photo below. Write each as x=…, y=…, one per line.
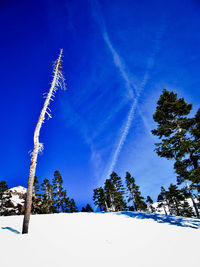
x=150, y=202
x=162, y=200
x=6, y=206
x=83, y=209
x=111, y=196
x=135, y=194
x=65, y=204
x=180, y=138
x=36, y=198
x=109, y=190
x=119, y=192
x=88, y=208
x=99, y=199
x=175, y=199
x=114, y=193
x=57, y=190
x=186, y=210
x=72, y=206
x=47, y=196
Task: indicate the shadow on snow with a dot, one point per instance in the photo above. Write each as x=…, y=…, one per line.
x=11, y=229
x=162, y=218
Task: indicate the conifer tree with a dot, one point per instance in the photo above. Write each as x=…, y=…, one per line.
x=109, y=190
x=135, y=194
x=36, y=198
x=88, y=208
x=114, y=193
x=150, y=202
x=174, y=197
x=57, y=190
x=186, y=210
x=111, y=196
x=6, y=207
x=179, y=138
x=65, y=204
x=72, y=206
x=47, y=196
x=119, y=192
x=162, y=200
x=99, y=199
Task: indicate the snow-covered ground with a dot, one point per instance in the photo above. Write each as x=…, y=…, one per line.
x=100, y=239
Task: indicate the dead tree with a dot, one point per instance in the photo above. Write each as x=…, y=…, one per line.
x=58, y=81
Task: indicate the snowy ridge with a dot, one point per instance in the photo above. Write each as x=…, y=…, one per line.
x=18, y=189
x=101, y=239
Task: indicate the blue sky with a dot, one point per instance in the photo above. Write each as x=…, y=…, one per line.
x=118, y=56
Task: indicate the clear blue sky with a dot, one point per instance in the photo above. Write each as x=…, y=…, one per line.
x=118, y=56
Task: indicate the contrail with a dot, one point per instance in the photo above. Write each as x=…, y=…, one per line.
x=116, y=58
x=123, y=136
x=138, y=91
x=134, y=91
x=119, y=64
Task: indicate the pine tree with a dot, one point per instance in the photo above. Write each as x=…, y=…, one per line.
x=180, y=138
x=36, y=198
x=88, y=208
x=58, y=190
x=162, y=200
x=175, y=199
x=109, y=190
x=186, y=210
x=72, y=206
x=150, y=202
x=65, y=204
x=6, y=207
x=119, y=192
x=99, y=199
x=135, y=194
x=111, y=196
x=47, y=196
x=114, y=193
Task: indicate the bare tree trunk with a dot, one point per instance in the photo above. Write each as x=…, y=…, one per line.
x=106, y=205
x=195, y=207
x=57, y=81
x=193, y=201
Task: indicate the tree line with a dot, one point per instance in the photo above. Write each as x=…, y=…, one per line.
x=112, y=196
x=47, y=198
x=179, y=135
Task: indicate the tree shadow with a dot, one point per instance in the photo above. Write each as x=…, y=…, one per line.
x=162, y=218
x=11, y=229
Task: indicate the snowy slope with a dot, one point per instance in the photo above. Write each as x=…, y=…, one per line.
x=100, y=239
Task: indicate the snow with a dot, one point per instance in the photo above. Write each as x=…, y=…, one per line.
x=18, y=189
x=100, y=239
x=16, y=195
x=17, y=200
